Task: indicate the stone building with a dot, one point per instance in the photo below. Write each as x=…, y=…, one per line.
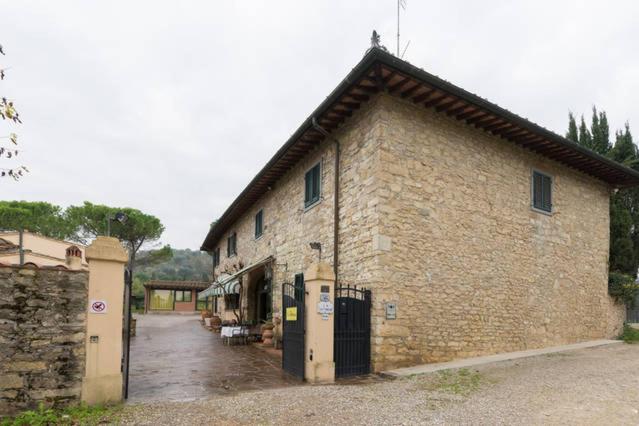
x=488, y=232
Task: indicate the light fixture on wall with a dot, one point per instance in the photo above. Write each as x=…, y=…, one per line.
x=268, y=272
x=317, y=246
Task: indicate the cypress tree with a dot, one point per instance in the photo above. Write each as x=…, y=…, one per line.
x=572, y=129
x=624, y=204
x=600, y=132
x=585, y=138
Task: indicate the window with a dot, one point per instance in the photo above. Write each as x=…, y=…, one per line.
x=161, y=300
x=182, y=295
x=312, y=186
x=231, y=245
x=541, y=192
x=216, y=257
x=259, y=225
x=201, y=304
x=299, y=287
x=232, y=301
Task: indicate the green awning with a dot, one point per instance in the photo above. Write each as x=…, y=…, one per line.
x=228, y=285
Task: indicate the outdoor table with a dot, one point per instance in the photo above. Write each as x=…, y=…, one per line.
x=228, y=333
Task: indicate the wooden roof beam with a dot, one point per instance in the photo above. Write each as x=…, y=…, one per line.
x=397, y=86
x=423, y=96
x=486, y=121
x=435, y=100
x=471, y=114
x=444, y=106
x=456, y=111
x=409, y=92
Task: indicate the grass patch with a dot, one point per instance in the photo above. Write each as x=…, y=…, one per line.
x=459, y=382
x=78, y=415
x=629, y=334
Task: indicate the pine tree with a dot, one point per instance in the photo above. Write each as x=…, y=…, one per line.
x=572, y=129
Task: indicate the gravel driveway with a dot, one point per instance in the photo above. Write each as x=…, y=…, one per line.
x=589, y=386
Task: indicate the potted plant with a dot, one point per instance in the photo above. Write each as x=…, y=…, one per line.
x=267, y=331
x=206, y=315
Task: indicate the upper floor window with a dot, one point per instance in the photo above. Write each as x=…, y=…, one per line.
x=541, y=192
x=259, y=224
x=312, y=186
x=231, y=245
x=216, y=257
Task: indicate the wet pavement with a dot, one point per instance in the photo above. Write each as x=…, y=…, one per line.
x=173, y=357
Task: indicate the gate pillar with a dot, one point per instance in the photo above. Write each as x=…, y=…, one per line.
x=319, y=366
x=102, y=380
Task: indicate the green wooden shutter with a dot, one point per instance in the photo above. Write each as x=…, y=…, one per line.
x=546, y=200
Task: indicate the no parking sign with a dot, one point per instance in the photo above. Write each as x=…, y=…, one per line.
x=97, y=307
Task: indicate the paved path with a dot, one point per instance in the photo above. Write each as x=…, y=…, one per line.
x=481, y=360
x=174, y=358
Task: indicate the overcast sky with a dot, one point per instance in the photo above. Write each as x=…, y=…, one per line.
x=172, y=107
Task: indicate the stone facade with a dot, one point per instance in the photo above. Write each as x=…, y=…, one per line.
x=289, y=227
x=436, y=216
x=472, y=267
x=42, y=336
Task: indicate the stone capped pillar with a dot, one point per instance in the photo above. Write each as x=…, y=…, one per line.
x=102, y=380
x=319, y=366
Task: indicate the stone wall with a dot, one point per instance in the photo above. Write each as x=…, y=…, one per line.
x=472, y=268
x=42, y=336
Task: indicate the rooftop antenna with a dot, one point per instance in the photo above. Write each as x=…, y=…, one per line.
x=401, y=4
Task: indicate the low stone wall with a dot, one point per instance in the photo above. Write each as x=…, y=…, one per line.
x=42, y=337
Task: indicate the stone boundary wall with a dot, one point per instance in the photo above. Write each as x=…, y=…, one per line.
x=42, y=336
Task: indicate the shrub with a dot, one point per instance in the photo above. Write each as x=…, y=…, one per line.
x=630, y=334
x=623, y=288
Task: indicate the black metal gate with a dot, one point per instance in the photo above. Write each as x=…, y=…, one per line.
x=293, y=327
x=352, y=350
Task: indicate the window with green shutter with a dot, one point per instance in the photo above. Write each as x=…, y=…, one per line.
x=312, y=186
x=259, y=224
x=541, y=192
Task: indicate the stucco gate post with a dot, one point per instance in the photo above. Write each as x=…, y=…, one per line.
x=102, y=380
x=319, y=366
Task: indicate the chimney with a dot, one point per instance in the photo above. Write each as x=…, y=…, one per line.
x=74, y=257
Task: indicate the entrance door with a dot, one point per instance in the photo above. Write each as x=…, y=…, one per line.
x=263, y=299
x=293, y=327
x=352, y=350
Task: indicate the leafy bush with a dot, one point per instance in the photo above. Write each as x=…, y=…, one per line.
x=623, y=288
x=630, y=334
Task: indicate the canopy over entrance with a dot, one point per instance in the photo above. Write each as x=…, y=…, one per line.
x=230, y=284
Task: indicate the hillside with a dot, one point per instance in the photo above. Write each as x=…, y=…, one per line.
x=186, y=265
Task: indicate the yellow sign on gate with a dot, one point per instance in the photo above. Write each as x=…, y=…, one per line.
x=291, y=314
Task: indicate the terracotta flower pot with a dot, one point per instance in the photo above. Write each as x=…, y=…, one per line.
x=267, y=336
